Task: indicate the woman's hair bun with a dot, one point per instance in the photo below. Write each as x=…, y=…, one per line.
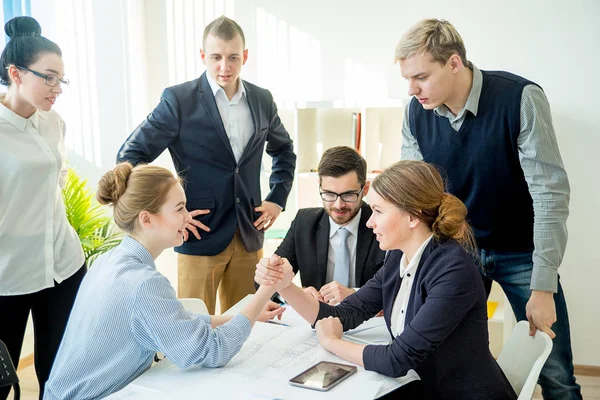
x=22, y=26
x=113, y=184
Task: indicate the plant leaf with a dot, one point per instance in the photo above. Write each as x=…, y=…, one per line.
x=97, y=233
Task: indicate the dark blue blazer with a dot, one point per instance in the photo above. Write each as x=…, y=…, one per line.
x=187, y=123
x=445, y=338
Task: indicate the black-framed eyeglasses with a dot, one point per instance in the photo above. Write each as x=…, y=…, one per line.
x=347, y=197
x=50, y=80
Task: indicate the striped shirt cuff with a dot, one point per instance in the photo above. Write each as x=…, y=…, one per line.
x=544, y=279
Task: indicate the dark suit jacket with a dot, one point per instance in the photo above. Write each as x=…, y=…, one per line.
x=307, y=243
x=445, y=337
x=188, y=123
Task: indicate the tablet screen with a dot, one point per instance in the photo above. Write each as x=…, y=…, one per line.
x=323, y=375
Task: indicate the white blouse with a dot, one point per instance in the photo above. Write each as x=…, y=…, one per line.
x=407, y=272
x=37, y=244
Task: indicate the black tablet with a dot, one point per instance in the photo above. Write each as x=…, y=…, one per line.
x=323, y=376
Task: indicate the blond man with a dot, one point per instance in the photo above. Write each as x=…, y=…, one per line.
x=491, y=132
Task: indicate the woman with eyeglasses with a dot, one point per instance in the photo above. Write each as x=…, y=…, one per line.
x=41, y=260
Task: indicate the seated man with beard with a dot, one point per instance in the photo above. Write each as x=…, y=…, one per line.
x=331, y=246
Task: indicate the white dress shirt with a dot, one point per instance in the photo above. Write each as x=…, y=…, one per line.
x=37, y=244
x=235, y=114
x=408, y=271
x=334, y=244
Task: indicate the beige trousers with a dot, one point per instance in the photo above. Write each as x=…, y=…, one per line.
x=231, y=271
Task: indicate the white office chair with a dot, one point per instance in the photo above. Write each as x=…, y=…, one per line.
x=523, y=357
x=196, y=306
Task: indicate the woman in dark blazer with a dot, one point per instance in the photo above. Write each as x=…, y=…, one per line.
x=429, y=288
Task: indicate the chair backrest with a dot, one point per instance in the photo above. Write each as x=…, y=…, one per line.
x=523, y=357
x=194, y=305
x=8, y=373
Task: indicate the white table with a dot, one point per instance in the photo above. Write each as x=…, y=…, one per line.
x=270, y=357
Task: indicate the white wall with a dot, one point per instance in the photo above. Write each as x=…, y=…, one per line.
x=350, y=57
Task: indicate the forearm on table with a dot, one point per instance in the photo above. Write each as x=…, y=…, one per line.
x=302, y=302
x=348, y=351
x=256, y=304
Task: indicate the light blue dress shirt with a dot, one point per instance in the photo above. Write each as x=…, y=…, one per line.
x=126, y=311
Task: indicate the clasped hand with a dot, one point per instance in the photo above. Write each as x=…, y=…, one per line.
x=275, y=272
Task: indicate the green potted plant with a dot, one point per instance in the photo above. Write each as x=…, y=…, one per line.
x=93, y=225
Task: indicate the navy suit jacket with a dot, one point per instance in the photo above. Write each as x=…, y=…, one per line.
x=187, y=122
x=307, y=243
x=445, y=337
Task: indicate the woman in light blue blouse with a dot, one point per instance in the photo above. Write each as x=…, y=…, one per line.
x=126, y=311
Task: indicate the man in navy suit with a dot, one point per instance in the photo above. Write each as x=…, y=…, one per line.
x=215, y=128
x=313, y=242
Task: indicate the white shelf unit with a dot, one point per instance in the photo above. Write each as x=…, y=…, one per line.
x=381, y=136
x=317, y=126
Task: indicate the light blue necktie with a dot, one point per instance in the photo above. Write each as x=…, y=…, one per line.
x=341, y=272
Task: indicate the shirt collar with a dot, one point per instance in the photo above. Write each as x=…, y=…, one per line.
x=16, y=120
x=414, y=263
x=214, y=86
x=137, y=249
x=352, y=226
x=472, y=103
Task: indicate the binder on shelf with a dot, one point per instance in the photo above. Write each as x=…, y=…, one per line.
x=356, y=130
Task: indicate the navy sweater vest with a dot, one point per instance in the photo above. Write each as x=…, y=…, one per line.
x=481, y=162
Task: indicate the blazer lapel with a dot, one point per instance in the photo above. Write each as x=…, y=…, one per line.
x=394, y=258
x=208, y=99
x=363, y=244
x=323, y=246
x=433, y=244
x=254, y=106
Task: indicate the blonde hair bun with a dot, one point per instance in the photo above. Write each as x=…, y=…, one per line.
x=451, y=216
x=113, y=184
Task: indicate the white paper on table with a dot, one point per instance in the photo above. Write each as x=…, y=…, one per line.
x=131, y=392
x=372, y=331
x=357, y=386
x=374, y=322
x=251, y=396
x=271, y=356
x=387, y=384
x=292, y=318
